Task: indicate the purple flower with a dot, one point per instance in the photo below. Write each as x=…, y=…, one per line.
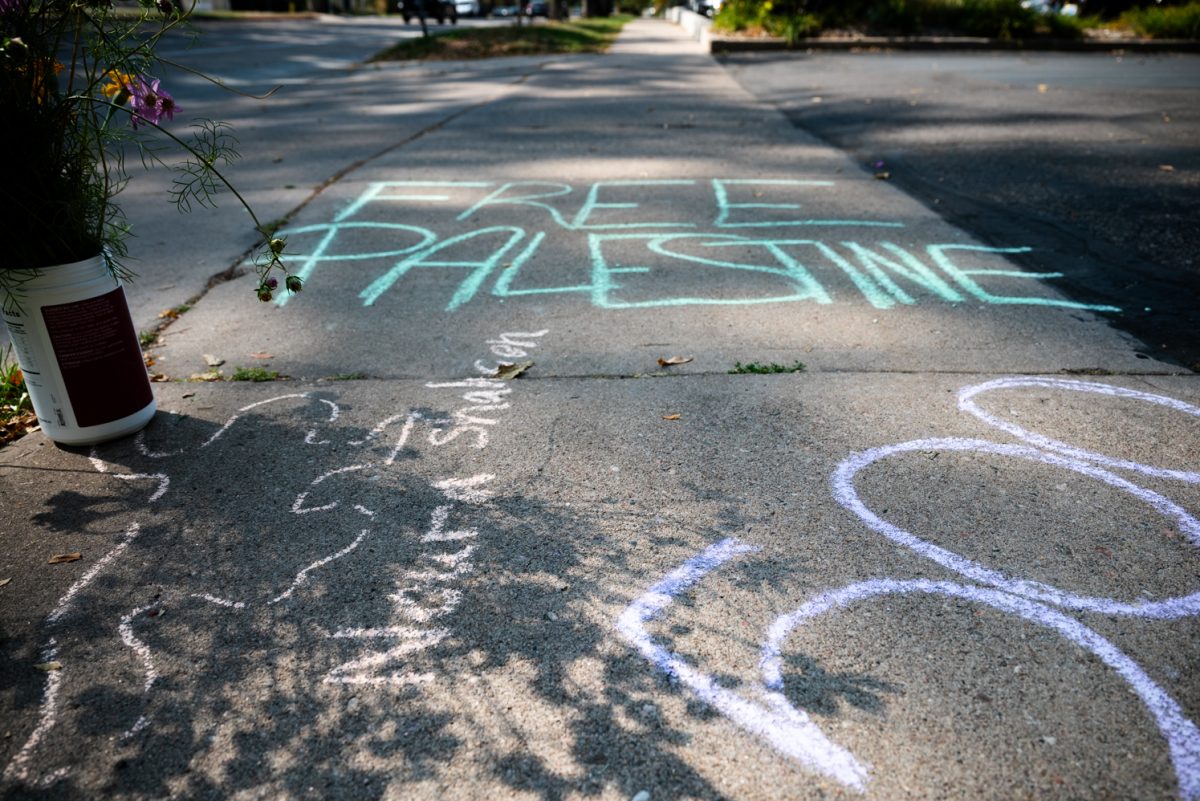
x=151, y=103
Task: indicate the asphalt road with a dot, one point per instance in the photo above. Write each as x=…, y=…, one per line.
x=666, y=561
x=1092, y=160
x=257, y=56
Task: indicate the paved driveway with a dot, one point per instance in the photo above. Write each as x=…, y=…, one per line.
x=1093, y=159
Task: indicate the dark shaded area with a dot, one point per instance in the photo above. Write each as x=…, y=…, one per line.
x=240, y=700
x=1091, y=161
x=811, y=688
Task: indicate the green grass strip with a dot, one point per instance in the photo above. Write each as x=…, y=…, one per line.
x=590, y=35
x=1166, y=22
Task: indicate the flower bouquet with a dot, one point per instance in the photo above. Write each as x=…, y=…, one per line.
x=80, y=100
x=77, y=86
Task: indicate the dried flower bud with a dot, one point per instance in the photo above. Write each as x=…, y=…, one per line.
x=164, y=7
x=272, y=282
x=293, y=283
x=264, y=294
x=277, y=245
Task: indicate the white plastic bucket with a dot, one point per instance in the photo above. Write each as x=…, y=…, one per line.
x=74, y=338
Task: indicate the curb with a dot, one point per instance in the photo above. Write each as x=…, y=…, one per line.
x=718, y=45
x=699, y=29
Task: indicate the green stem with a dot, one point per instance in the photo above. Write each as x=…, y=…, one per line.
x=208, y=164
x=215, y=81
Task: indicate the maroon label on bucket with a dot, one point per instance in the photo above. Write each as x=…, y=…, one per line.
x=98, y=354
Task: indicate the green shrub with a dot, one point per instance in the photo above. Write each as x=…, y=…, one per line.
x=1061, y=26
x=792, y=27
x=1164, y=22
x=899, y=17
x=785, y=18
x=741, y=15
x=1001, y=19
x=796, y=19
x=998, y=19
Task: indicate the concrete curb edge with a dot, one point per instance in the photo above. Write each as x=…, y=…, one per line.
x=699, y=28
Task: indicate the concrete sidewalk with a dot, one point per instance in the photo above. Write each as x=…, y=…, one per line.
x=943, y=561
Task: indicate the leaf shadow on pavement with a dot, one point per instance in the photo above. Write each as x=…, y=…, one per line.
x=197, y=663
x=814, y=689
x=193, y=660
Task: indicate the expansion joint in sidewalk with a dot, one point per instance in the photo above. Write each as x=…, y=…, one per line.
x=808, y=373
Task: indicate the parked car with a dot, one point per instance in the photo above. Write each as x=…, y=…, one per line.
x=438, y=10
x=537, y=8
x=506, y=11
x=468, y=8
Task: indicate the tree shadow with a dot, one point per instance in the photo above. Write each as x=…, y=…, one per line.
x=189, y=670
x=812, y=688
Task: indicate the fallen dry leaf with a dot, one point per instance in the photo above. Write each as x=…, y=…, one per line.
x=670, y=417
x=1166, y=167
x=507, y=372
x=5, y=581
x=211, y=375
x=188, y=395
x=1043, y=88
x=168, y=314
x=213, y=361
x=60, y=558
x=261, y=356
x=23, y=423
x=674, y=360
x=882, y=176
x=159, y=378
x=48, y=666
